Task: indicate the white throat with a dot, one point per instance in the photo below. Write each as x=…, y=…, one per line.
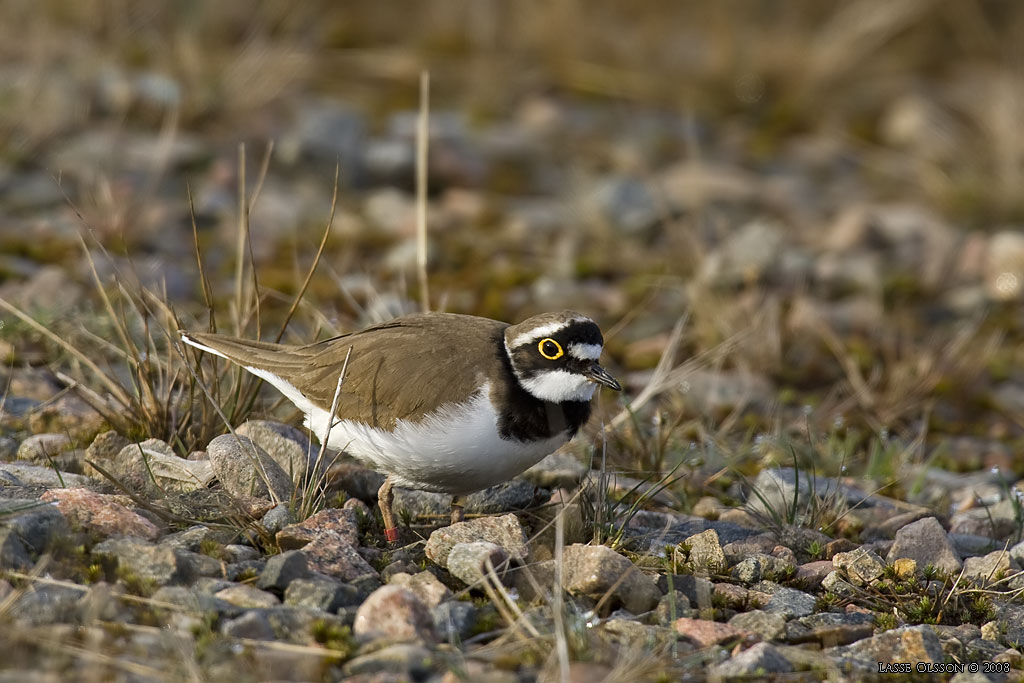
x=559, y=385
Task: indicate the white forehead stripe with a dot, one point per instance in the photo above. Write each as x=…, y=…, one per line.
x=545, y=331
x=585, y=351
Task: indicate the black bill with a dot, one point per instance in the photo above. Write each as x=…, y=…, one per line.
x=595, y=373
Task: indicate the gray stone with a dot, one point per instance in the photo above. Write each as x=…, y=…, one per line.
x=925, y=542
x=287, y=445
x=321, y=592
x=247, y=597
x=594, y=571
x=515, y=494
x=42, y=448
x=768, y=625
x=151, y=468
x=253, y=624
x=698, y=590
x=246, y=470
x=278, y=518
x=788, y=602
x=907, y=644
x=757, y=661
x=157, y=563
x=834, y=582
x=44, y=604
x=505, y=531
x=282, y=569
x=987, y=569
x=29, y=533
x=25, y=474
x=671, y=606
x=470, y=562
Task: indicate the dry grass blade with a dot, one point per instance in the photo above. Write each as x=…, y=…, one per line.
x=422, y=139
x=109, y=383
x=316, y=260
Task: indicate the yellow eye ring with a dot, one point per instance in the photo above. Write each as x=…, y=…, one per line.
x=550, y=355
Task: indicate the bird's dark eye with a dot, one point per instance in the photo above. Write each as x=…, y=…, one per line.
x=550, y=349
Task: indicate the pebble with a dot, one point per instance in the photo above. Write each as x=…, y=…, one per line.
x=395, y=613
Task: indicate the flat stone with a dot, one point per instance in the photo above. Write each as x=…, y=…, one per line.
x=988, y=568
x=344, y=522
x=757, y=661
x=403, y=661
x=321, y=592
x=157, y=563
x=329, y=553
x=245, y=469
x=768, y=625
x=252, y=624
x=708, y=633
x=788, y=602
x=907, y=644
x=41, y=448
x=395, y=613
x=470, y=562
x=812, y=573
x=505, y=531
x=103, y=514
x=244, y=595
x=925, y=542
x=151, y=468
x=25, y=474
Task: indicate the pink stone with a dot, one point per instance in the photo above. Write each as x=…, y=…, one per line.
x=395, y=613
x=707, y=633
x=104, y=514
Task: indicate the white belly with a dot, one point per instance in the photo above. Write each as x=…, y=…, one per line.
x=457, y=450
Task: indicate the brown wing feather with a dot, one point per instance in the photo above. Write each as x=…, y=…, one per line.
x=403, y=368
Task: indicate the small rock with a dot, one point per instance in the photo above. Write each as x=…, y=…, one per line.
x=157, y=563
x=343, y=521
x=768, y=625
x=908, y=644
x=812, y=573
x=925, y=542
x=276, y=519
x=395, y=613
x=424, y=585
x=468, y=562
x=329, y=553
x=102, y=451
x=594, y=571
x=245, y=469
x=24, y=474
x=788, y=602
x=321, y=592
x=249, y=597
x=287, y=445
x=671, y=606
x=42, y=448
x=43, y=605
x=282, y=569
x=860, y=566
x=707, y=633
x=989, y=568
x=698, y=590
x=904, y=567
x=103, y=514
x=1004, y=267
x=706, y=552
x=29, y=533
x=252, y=624
x=757, y=661
x=835, y=582
x=151, y=468
x=505, y=531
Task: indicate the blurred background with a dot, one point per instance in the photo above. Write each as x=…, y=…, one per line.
x=827, y=194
